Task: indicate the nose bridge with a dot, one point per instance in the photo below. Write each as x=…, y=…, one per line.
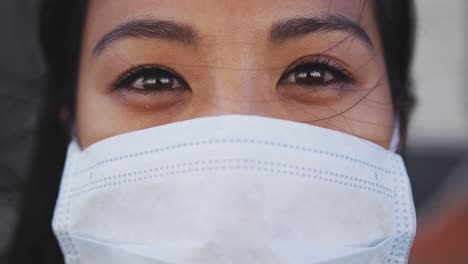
x=238, y=90
x=239, y=81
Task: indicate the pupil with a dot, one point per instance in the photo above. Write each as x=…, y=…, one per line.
x=158, y=83
x=310, y=76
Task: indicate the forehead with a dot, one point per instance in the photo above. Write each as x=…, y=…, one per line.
x=221, y=16
x=230, y=7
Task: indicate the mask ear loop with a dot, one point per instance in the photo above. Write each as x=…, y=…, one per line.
x=395, y=142
x=74, y=134
x=73, y=131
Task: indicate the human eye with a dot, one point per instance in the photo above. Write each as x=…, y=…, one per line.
x=150, y=79
x=315, y=73
x=315, y=80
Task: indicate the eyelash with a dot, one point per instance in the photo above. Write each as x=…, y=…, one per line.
x=125, y=81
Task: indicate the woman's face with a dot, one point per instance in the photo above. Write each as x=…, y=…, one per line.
x=146, y=63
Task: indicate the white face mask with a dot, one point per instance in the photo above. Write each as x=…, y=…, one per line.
x=234, y=189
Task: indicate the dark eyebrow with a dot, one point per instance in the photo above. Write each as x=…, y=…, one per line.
x=288, y=29
x=148, y=28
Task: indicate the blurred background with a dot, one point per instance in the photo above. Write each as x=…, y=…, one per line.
x=437, y=154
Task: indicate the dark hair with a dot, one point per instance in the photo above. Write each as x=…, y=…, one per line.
x=61, y=29
x=396, y=21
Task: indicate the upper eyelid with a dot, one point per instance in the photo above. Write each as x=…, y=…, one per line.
x=317, y=59
x=147, y=67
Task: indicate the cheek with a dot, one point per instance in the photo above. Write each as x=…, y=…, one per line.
x=97, y=115
x=100, y=116
x=368, y=115
x=372, y=117
x=93, y=117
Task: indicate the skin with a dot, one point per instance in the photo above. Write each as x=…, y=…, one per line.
x=234, y=68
